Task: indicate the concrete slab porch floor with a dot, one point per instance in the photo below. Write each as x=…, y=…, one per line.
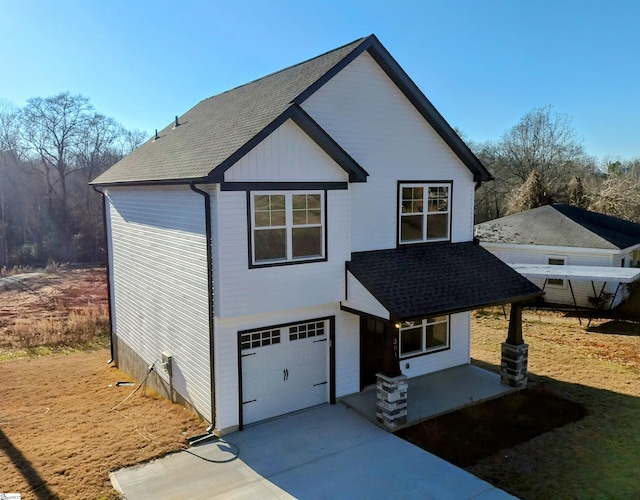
x=436, y=393
x=328, y=451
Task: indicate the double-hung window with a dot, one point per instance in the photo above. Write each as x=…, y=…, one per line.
x=287, y=227
x=425, y=212
x=424, y=335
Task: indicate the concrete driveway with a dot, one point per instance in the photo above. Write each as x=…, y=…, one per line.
x=325, y=452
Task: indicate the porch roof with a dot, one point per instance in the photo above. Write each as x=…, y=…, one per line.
x=414, y=281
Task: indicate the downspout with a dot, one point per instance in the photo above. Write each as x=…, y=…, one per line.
x=106, y=241
x=207, y=222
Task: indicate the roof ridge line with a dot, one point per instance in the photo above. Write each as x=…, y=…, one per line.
x=246, y=84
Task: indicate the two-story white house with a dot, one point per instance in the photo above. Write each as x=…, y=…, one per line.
x=281, y=243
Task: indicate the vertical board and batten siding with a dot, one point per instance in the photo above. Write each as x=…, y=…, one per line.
x=364, y=112
x=562, y=294
x=159, y=273
x=459, y=352
x=287, y=155
x=227, y=370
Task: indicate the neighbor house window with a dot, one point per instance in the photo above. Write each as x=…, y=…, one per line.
x=425, y=211
x=556, y=261
x=287, y=227
x=423, y=336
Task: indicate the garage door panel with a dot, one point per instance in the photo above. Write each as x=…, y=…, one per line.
x=286, y=376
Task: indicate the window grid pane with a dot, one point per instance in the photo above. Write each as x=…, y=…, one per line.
x=259, y=339
x=287, y=227
x=424, y=213
x=306, y=330
x=425, y=335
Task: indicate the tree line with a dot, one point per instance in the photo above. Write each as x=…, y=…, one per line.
x=540, y=160
x=52, y=147
x=49, y=151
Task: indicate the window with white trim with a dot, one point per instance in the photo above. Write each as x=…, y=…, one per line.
x=287, y=227
x=422, y=336
x=424, y=211
x=556, y=261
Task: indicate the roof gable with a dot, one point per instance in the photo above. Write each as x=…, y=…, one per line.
x=561, y=225
x=219, y=130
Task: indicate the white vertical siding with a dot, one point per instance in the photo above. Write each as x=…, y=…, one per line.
x=244, y=291
x=287, y=155
x=159, y=269
x=363, y=110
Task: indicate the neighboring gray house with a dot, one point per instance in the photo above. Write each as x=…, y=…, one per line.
x=560, y=234
x=282, y=243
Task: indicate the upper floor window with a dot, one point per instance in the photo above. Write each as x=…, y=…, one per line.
x=425, y=212
x=287, y=227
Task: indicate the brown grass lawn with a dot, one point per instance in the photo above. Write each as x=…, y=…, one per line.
x=58, y=437
x=595, y=457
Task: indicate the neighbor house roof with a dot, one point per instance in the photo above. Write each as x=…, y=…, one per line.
x=561, y=225
x=218, y=131
x=414, y=281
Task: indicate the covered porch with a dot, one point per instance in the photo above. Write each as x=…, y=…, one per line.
x=409, y=294
x=436, y=393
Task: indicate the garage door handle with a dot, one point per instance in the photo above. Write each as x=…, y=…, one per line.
x=285, y=374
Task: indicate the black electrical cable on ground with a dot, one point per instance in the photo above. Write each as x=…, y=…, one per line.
x=136, y=389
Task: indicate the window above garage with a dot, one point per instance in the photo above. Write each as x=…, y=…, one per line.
x=287, y=227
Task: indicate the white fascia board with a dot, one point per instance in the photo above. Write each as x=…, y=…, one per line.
x=548, y=249
x=578, y=273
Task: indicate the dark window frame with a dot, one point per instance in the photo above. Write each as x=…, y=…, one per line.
x=289, y=193
x=425, y=184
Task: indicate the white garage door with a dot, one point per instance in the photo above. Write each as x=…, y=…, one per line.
x=284, y=369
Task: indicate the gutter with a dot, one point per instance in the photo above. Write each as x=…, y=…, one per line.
x=109, y=281
x=207, y=219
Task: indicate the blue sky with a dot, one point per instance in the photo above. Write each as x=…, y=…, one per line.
x=483, y=64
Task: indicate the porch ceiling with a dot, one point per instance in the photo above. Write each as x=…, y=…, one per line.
x=414, y=281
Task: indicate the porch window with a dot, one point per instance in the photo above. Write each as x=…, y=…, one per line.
x=287, y=227
x=422, y=336
x=556, y=261
x=424, y=212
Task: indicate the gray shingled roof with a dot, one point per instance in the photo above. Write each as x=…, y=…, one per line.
x=219, y=130
x=561, y=225
x=415, y=281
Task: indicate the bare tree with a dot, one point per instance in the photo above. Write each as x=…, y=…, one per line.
x=619, y=194
x=52, y=128
x=531, y=194
x=544, y=142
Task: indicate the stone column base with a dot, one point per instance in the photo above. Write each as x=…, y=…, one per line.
x=513, y=366
x=391, y=403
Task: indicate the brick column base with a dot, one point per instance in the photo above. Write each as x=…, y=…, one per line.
x=391, y=404
x=513, y=366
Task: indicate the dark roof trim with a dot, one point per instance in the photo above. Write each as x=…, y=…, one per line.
x=282, y=186
x=301, y=118
x=161, y=182
x=308, y=126
x=414, y=95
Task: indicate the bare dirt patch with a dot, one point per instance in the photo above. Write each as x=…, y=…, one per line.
x=58, y=435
